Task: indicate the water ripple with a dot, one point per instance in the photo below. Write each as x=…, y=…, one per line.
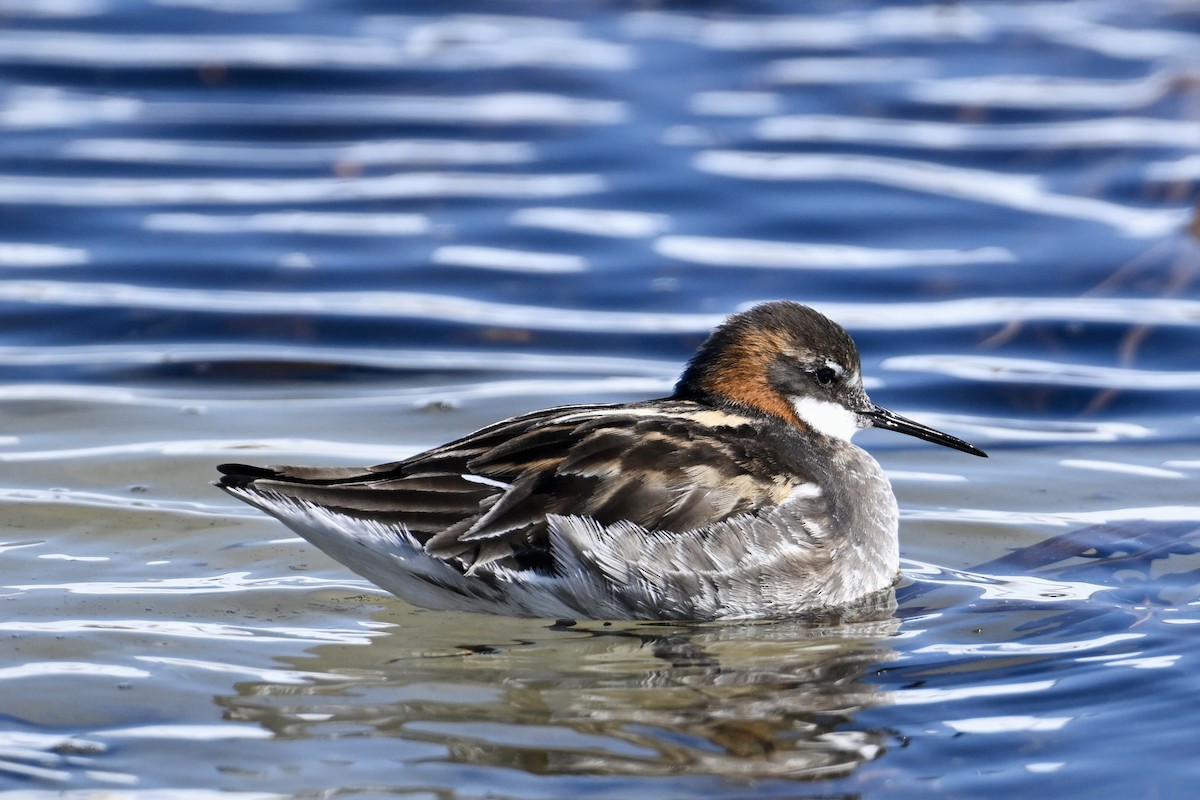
x=33, y=107
x=1120, y=468
x=281, y=676
x=188, y=630
x=327, y=223
x=242, y=154
x=1064, y=519
x=496, y=258
x=100, y=500
x=20, y=190
x=969, y=312
x=289, y=110
x=592, y=222
x=958, y=693
x=1114, y=132
x=1018, y=192
x=53, y=9
x=849, y=69
x=1025, y=588
x=49, y=107
x=997, y=369
x=1150, y=44
x=24, y=254
x=1007, y=724
x=450, y=52
x=190, y=733
x=399, y=359
x=74, y=669
x=1002, y=649
x=213, y=447
x=852, y=31
x=1045, y=92
x=1042, y=431
x=796, y=255
x=1183, y=169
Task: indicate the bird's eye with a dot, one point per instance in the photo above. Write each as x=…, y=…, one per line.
x=825, y=375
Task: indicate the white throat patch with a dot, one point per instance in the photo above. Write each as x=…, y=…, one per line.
x=831, y=419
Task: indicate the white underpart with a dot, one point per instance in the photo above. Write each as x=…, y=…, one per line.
x=831, y=419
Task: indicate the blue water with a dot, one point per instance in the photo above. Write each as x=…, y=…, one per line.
x=294, y=231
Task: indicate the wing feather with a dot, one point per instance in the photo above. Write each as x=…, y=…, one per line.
x=487, y=497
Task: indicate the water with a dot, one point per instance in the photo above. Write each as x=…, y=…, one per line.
x=293, y=231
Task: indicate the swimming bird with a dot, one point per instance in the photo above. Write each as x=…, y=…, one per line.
x=739, y=496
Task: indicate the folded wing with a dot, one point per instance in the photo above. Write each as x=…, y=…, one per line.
x=487, y=497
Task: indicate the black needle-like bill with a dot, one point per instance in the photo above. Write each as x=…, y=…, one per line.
x=890, y=420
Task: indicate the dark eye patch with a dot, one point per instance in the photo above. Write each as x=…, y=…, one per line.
x=825, y=375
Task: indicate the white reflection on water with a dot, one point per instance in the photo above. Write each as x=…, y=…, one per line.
x=1166, y=513
x=74, y=669
x=845, y=31
x=593, y=222
x=93, y=49
x=68, y=557
x=999, y=310
x=32, y=107
x=283, y=676
x=320, y=156
x=1152, y=44
x=148, y=191
x=420, y=396
x=234, y=6
x=24, y=254
x=999, y=649
x=734, y=103
x=1019, y=192
x=797, y=255
x=997, y=369
x=1118, y=467
x=1147, y=662
x=97, y=500
x=306, y=222
x=131, y=793
x=501, y=108
x=524, y=261
x=40, y=107
x=52, y=8
x=1107, y=132
x=193, y=733
x=150, y=353
x=1184, y=169
x=908, y=697
x=1044, y=92
x=1040, y=431
x=1009, y=724
x=1025, y=588
x=190, y=630
x=924, y=477
x=969, y=312
x=850, y=69
x=38, y=755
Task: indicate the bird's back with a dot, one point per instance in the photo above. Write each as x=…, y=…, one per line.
x=663, y=509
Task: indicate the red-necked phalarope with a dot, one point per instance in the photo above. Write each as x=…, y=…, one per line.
x=739, y=496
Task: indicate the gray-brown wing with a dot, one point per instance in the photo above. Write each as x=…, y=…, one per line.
x=487, y=496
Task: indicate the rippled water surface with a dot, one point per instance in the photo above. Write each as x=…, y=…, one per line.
x=303, y=231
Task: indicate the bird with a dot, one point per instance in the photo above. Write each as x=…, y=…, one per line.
x=738, y=497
